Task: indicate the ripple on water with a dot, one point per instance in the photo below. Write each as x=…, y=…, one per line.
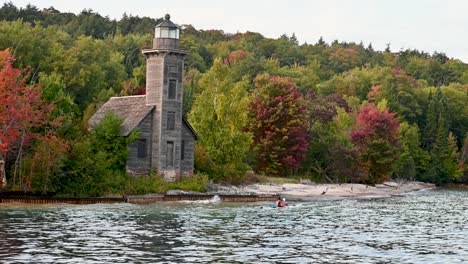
x=428, y=226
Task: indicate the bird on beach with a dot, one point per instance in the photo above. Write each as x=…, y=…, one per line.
x=324, y=192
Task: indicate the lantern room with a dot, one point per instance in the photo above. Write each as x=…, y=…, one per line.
x=167, y=29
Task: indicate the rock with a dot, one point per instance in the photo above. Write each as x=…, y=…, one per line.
x=391, y=184
x=176, y=192
x=213, y=188
x=306, y=182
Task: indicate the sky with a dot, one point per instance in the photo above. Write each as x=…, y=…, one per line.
x=427, y=25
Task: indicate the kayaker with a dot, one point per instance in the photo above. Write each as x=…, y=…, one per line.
x=280, y=202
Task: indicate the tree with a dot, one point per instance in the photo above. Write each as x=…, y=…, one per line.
x=331, y=155
x=464, y=159
x=24, y=115
x=444, y=163
x=457, y=109
x=32, y=45
x=329, y=146
x=376, y=138
x=89, y=68
x=96, y=163
x=437, y=109
x=279, y=126
x=219, y=116
x=399, y=90
x=413, y=160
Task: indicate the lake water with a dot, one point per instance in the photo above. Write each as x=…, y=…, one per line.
x=421, y=227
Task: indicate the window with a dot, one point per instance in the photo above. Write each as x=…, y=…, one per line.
x=173, y=69
x=157, y=32
x=141, y=148
x=172, y=89
x=170, y=154
x=182, y=150
x=172, y=33
x=170, y=120
x=164, y=33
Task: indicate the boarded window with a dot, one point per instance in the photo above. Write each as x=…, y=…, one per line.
x=170, y=154
x=182, y=150
x=170, y=120
x=173, y=69
x=141, y=148
x=172, y=89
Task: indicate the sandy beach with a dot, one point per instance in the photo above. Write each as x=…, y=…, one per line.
x=314, y=191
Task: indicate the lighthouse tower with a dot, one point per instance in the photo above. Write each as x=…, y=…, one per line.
x=164, y=73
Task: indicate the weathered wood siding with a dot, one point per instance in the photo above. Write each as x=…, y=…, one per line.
x=154, y=88
x=173, y=70
x=166, y=43
x=186, y=165
x=135, y=164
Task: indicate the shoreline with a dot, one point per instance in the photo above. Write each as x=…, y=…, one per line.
x=248, y=193
x=312, y=191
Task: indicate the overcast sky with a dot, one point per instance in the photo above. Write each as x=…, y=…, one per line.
x=429, y=25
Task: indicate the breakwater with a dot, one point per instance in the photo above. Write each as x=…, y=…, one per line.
x=134, y=199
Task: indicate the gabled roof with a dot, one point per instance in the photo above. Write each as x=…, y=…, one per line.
x=132, y=109
x=187, y=124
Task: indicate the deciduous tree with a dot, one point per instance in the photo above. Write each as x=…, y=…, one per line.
x=219, y=115
x=24, y=115
x=376, y=138
x=278, y=124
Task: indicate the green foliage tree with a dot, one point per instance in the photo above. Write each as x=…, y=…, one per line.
x=33, y=45
x=219, y=115
x=457, y=109
x=89, y=68
x=96, y=165
x=413, y=159
x=437, y=109
x=331, y=155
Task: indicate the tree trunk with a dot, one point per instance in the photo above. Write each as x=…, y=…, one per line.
x=2, y=173
x=16, y=172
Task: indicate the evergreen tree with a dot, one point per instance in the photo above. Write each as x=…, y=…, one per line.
x=437, y=110
x=413, y=159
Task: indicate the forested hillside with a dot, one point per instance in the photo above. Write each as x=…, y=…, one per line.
x=331, y=112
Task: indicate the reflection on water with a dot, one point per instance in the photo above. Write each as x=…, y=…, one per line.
x=423, y=227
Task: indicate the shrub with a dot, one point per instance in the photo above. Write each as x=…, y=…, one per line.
x=156, y=184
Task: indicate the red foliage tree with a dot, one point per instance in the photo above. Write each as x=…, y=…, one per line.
x=22, y=111
x=324, y=108
x=376, y=138
x=278, y=124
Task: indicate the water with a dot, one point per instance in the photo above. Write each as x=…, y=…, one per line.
x=422, y=227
